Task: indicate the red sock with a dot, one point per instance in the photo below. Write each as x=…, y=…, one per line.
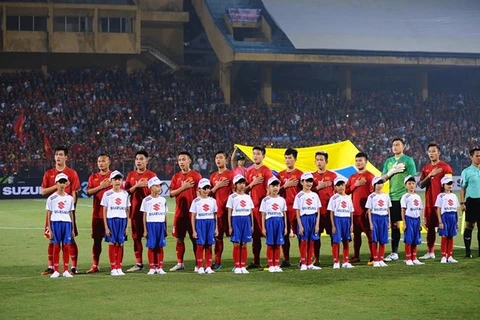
x=335, y=248
x=414, y=252
x=408, y=251
x=346, y=251
x=138, y=249
x=199, y=255
x=373, y=245
x=236, y=256
x=180, y=251
x=160, y=257
x=303, y=251
x=431, y=240
x=276, y=255
x=450, y=246
x=56, y=256
x=218, y=251
x=256, y=249
x=310, y=249
x=443, y=247
x=112, y=256
x=96, y=251
x=270, y=256
x=74, y=253
x=244, y=256
x=286, y=248
x=50, y=254
x=357, y=243
x=151, y=258
x=381, y=252
x=208, y=256
x=119, y=260
x=66, y=256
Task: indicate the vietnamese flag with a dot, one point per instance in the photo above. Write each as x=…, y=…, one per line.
x=18, y=126
x=47, y=147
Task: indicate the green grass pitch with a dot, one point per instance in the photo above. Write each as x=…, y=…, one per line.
x=432, y=291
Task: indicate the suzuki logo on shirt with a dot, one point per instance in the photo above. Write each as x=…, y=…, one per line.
x=309, y=201
x=156, y=207
x=380, y=203
x=243, y=203
x=450, y=202
x=118, y=201
x=275, y=206
x=206, y=207
x=416, y=203
x=61, y=205
x=343, y=204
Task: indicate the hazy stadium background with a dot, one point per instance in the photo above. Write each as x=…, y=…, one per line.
x=254, y=52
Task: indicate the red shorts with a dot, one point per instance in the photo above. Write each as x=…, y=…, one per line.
x=257, y=223
x=98, y=228
x=291, y=220
x=222, y=222
x=137, y=225
x=46, y=231
x=431, y=219
x=325, y=224
x=181, y=225
x=361, y=224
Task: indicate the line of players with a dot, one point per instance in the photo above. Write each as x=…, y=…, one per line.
x=184, y=187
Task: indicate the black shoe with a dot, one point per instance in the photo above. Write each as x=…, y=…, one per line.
x=73, y=271
x=216, y=266
x=253, y=266
x=468, y=254
x=285, y=264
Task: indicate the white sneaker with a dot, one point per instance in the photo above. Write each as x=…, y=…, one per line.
x=151, y=271
x=312, y=267
x=114, y=273
x=209, y=270
x=56, y=274
x=271, y=269
x=161, y=271
x=135, y=268
x=428, y=256
x=303, y=267
x=417, y=262
x=391, y=257
x=120, y=272
x=451, y=260
x=382, y=264
x=336, y=265
x=195, y=269
x=376, y=264
x=347, y=265
x=278, y=269
x=409, y=263
x=201, y=270
x=443, y=260
x=238, y=271
x=67, y=274
x=244, y=270
x=177, y=267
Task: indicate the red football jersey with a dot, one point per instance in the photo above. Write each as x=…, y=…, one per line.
x=140, y=193
x=360, y=194
x=184, y=200
x=222, y=194
x=94, y=181
x=435, y=187
x=326, y=193
x=49, y=179
x=258, y=191
x=291, y=192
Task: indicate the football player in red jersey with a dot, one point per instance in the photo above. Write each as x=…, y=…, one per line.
x=257, y=178
x=359, y=185
x=98, y=183
x=289, y=188
x=136, y=185
x=183, y=188
x=323, y=184
x=430, y=178
x=222, y=182
x=48, y=187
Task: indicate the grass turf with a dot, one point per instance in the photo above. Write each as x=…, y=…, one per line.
x=432, y=291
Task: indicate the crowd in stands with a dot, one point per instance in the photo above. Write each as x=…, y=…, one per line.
x=95, y=111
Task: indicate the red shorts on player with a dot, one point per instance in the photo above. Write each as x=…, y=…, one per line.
x=291, y=220
x=137, y=225
x=257, y=224
x=222, y=222
x=98, y=228
x=325, y=224
x=182, y=224
x=361, y=224
x=431, y=219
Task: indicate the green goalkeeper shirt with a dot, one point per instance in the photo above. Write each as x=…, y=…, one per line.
x=397, y=187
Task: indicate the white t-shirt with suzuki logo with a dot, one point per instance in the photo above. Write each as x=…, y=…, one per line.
x=204, y=208
x=155, y=208
x=378, y=203
x=241, y=204
x=341, y=206
x=412, y=203
x=117, y=203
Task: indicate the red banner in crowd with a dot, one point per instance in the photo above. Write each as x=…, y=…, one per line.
x=18, y=126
